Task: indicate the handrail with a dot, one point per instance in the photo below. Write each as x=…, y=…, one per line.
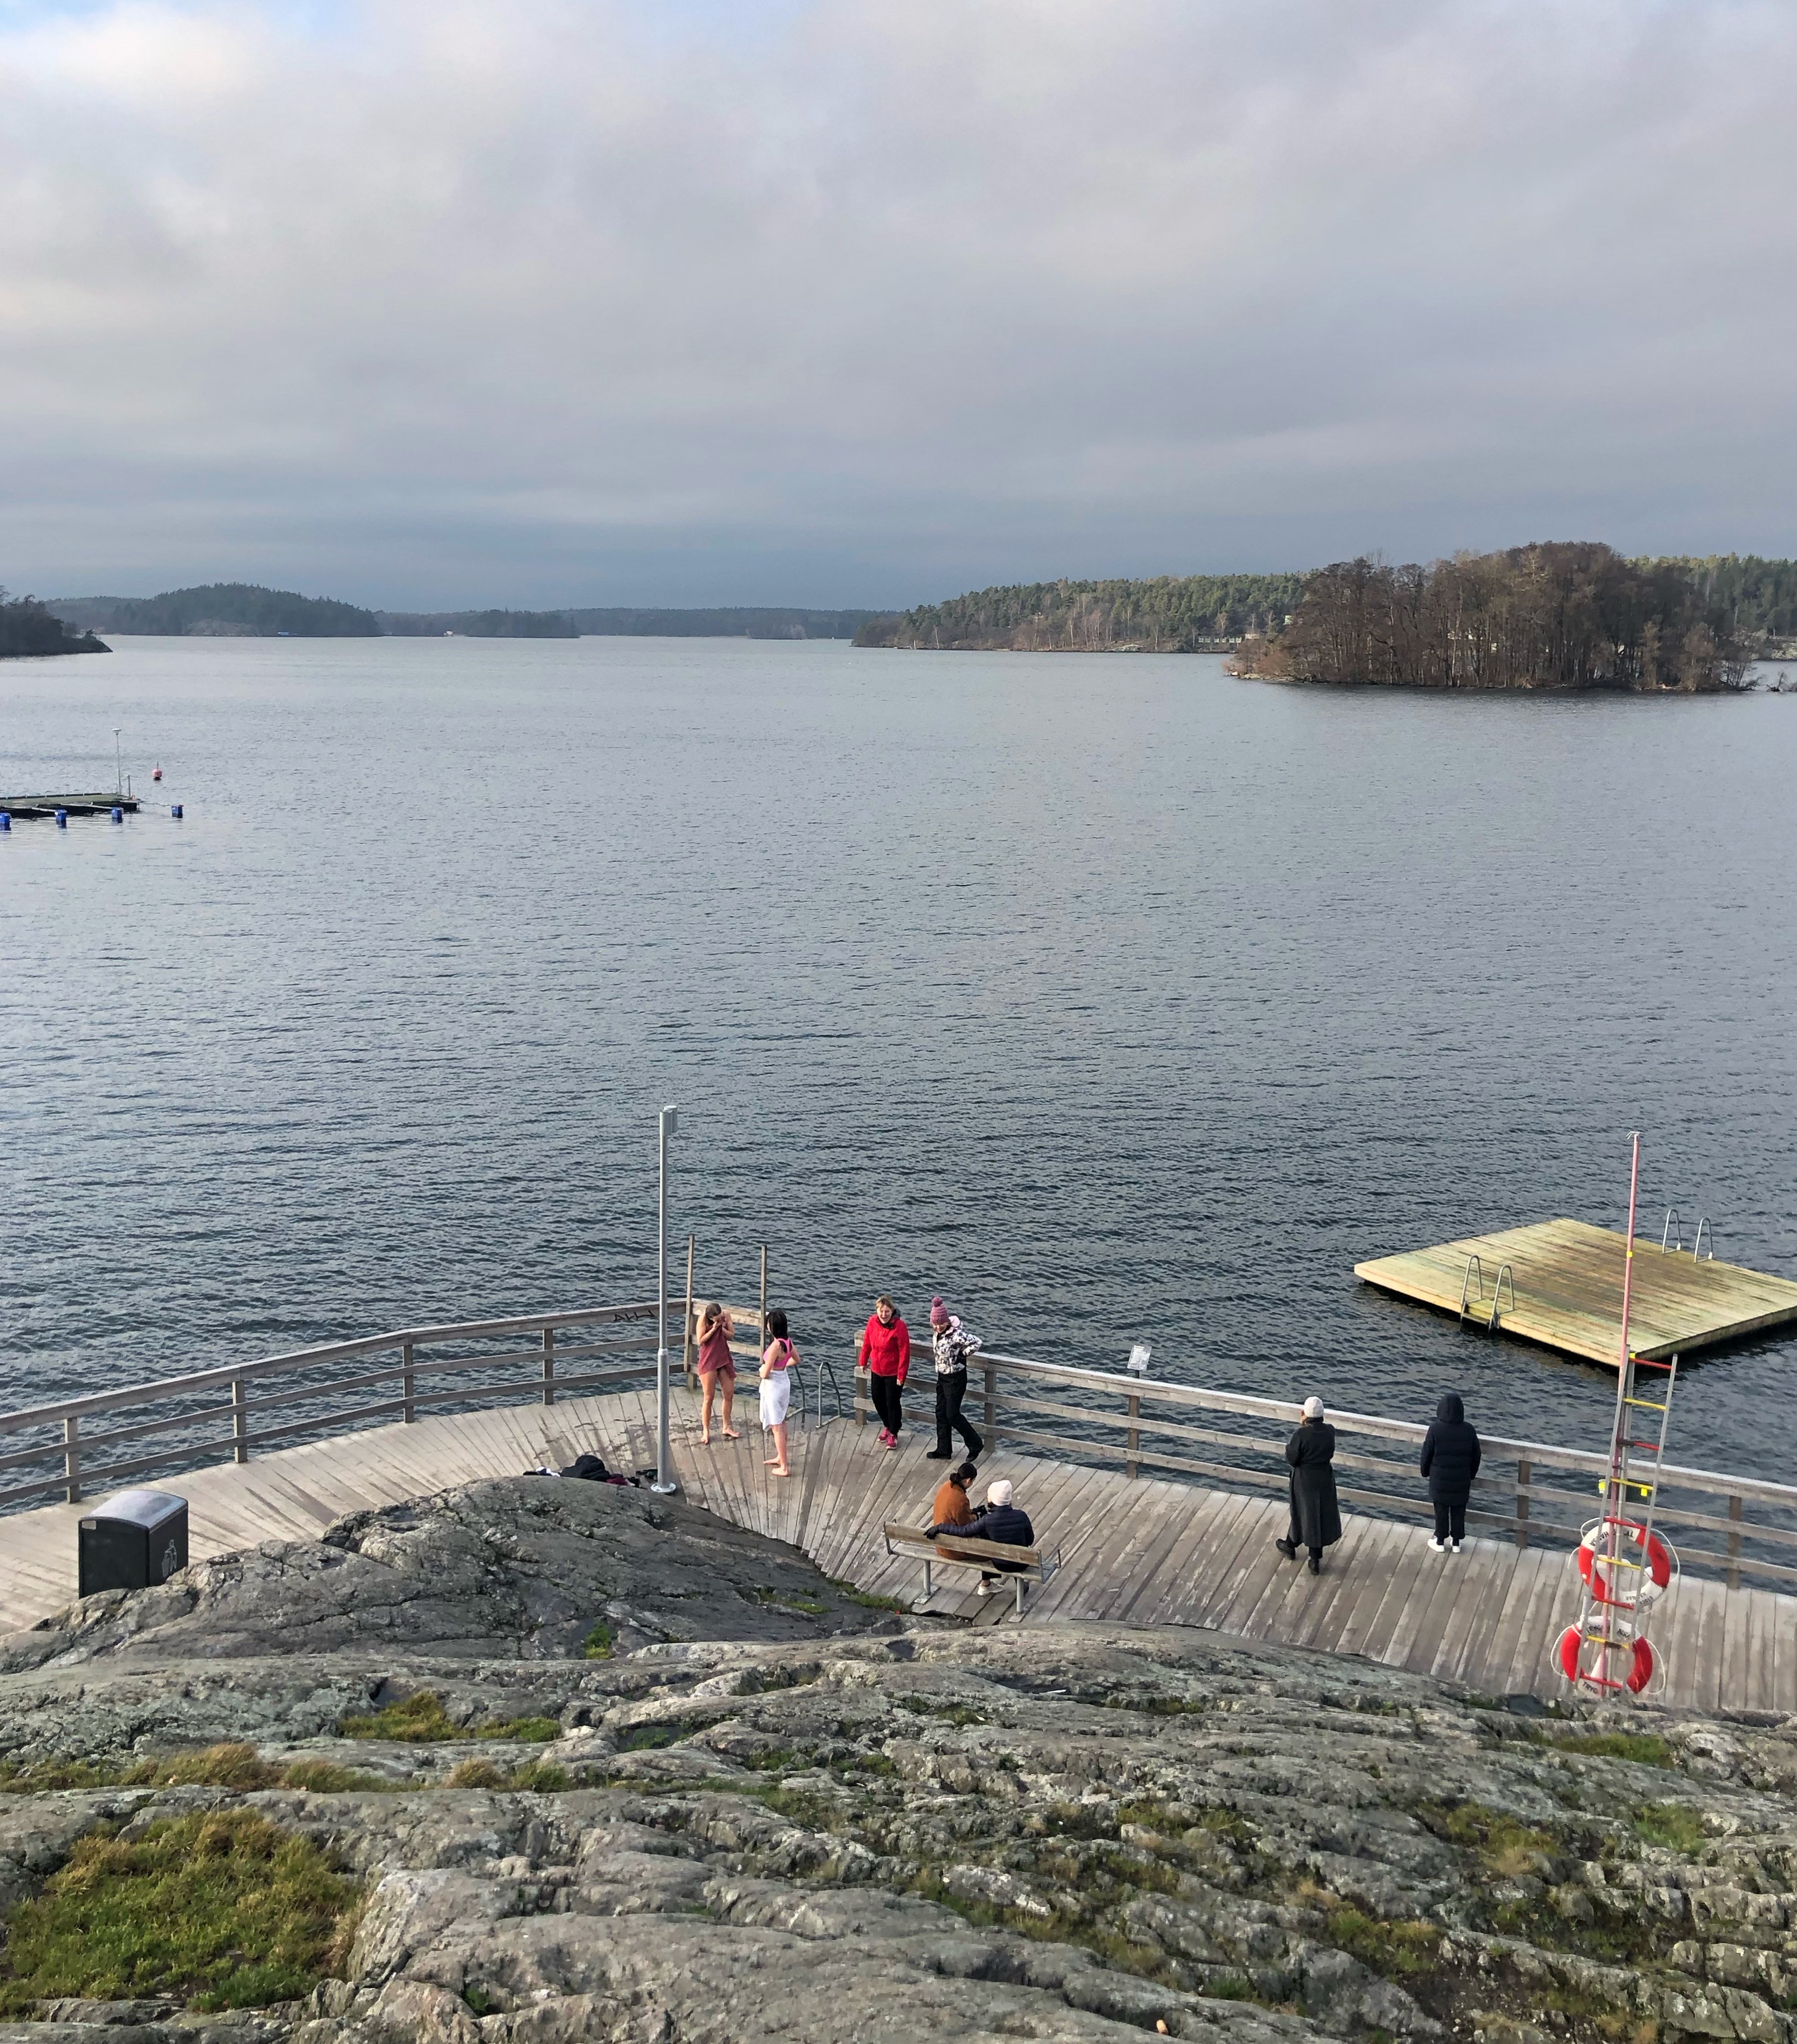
x=1697, y=1240
x=1512, y=1495
x=1472, y=1264
x=1672, y=1215
x=308, y=1377
x=309, y=1358
x=1504, y=1271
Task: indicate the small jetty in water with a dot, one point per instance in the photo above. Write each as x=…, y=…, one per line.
x=21, y=808
x=1560, y=1283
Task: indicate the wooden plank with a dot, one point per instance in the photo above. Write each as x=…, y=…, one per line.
x=1490, y=1622
x=1238, y=1526
x=1553, y=1604
x=1145, y=1598
x=1486, y=1564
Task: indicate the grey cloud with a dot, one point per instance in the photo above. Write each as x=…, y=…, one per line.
x=863, y=301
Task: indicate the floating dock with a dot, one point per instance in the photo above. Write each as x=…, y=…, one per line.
x=1560, y=1283
x=20, y=808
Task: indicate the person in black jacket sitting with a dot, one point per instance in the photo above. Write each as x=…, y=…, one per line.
x=1000, y=1519
x=1450, y=1461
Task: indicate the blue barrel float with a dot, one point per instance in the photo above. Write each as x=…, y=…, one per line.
x=174, y=809
x=6, y=822
x=118, y=815
x=62, y=819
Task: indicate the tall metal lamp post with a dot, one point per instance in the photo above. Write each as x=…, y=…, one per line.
x=664, y=1484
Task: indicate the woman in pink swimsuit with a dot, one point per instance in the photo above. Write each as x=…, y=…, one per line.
x=716, y=1367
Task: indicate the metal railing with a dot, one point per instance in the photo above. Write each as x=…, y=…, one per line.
x=238, y=1409
x=1534, y=1492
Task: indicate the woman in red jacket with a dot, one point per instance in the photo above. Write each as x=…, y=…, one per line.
x=886, y=1355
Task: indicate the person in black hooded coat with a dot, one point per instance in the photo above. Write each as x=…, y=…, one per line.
x=1450, y=1461
x=1316, y=1513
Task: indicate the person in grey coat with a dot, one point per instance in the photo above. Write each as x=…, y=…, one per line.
x=1316, y=1513
x=1450, y=1461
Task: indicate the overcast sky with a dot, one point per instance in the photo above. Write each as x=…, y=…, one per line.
x=539, y=302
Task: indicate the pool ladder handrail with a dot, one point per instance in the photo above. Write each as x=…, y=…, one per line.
x=1504, y=1272
x=1677, y=1241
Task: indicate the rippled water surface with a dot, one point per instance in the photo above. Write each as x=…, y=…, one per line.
x=1109, y=996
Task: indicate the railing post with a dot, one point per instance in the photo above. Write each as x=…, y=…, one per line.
x=991, y=1415
x=71, y=1458
x=1135, y=1436
x=1522, y=1504
x=548, y=1365
x=407, y=1383
x=240, y=1421
x=1734, y=1543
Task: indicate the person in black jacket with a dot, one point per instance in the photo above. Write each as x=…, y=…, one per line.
x=1450, y=1461
x=1000, y=1519
x=1316, y=1513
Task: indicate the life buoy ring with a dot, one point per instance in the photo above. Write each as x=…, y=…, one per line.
x=1642, y=1673
x=1657, y=1569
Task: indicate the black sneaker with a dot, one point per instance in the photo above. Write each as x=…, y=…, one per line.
x=1286, y=1548
x=940, y=1455
x=1316, y=1565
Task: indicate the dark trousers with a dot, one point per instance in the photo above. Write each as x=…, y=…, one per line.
x=1295, y=1537
x=1450, y=1518
x=886, y=1391
x=950, y=1392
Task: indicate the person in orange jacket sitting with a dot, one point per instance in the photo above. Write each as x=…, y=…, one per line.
x=886, y=1355
x=951, y=1512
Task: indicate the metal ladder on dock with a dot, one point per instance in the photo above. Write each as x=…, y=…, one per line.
x=1675, y=1242
x=1475, y=1269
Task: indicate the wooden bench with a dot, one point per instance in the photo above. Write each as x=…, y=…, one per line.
x=1018, y=1565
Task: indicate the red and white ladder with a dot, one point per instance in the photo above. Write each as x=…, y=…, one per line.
x=1626, y=1567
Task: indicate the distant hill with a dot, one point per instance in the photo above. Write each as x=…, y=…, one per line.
x=1163, y=614
x=220, y=610
x=741, y=623
x=477, y=623
x=28, y=629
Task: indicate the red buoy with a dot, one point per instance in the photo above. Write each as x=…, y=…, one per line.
x=157, y=775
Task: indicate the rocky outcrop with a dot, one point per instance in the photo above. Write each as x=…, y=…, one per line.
x=764, y=1815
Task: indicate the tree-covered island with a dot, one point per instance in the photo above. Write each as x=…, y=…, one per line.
x=1565, y=615
x=29, y=631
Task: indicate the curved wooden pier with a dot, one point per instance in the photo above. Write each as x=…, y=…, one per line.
x=1134, y=1548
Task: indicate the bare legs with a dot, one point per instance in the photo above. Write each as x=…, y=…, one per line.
x=709, y=1379
x=777, y=1462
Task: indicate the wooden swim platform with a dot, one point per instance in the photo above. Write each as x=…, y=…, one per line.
x=1560, y=1283
x=1135, y=1549
x=26, y=808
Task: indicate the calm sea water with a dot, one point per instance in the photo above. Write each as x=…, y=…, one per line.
x=1110, y=996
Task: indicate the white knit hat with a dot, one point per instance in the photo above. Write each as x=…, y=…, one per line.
x=999, y=1493
x=1313, y=1409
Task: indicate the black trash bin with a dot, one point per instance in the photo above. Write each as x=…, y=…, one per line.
x=134, y=1540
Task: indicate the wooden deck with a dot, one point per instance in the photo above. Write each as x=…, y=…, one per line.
x=1568, y=1277
x=1142, y=1552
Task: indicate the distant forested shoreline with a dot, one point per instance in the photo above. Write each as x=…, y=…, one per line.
x=29, y=630
x=1564, y=615
x=1163, y=614
x=247, y=610
x=1687, y=623
x=220, y=610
